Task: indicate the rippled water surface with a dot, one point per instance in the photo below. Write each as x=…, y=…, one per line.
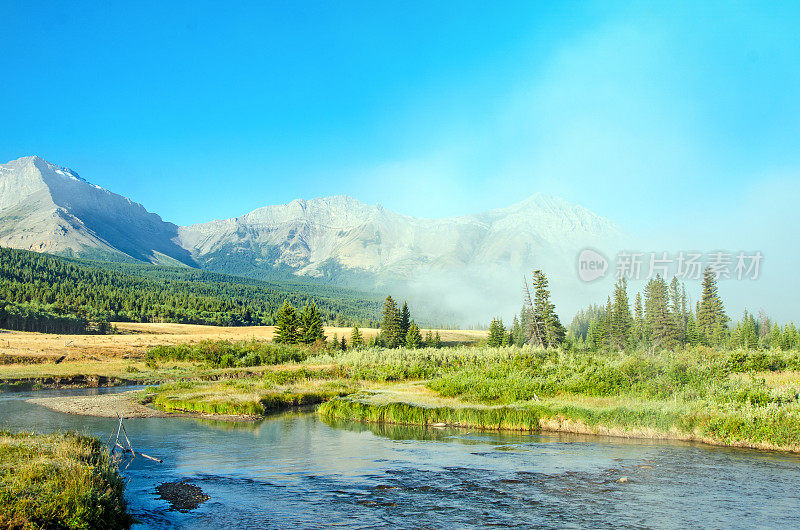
x=295, y=470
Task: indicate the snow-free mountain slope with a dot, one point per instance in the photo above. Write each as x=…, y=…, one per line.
x=50, y=208
x=317, y=236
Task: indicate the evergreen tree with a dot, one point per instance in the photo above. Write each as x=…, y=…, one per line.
x=356, y=339
x=519, y=325
x=790, y=339
x=594, y=337
x=390, y=325
x=608, y=320
x=676, y=310
x=764, y=329
x=496, y=333
x=343, y=344
x=287, y=325
x=684, y=311
x=659, y=321
x=517, y=332
x=526, y=325
x=712, y=322
x=413, y=336
x=638, y=321
x=405, y=319
x=437, y=340
x=621, y=319
x=428, y=339
x=547, y=329
x=775, y=337
x=579, y=327
x=692, y=336
x=745, y=334
x=311, y=329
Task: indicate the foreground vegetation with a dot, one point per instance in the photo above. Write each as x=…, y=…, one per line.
x=59, y=481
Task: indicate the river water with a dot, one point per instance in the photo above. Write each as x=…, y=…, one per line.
x=294, y=470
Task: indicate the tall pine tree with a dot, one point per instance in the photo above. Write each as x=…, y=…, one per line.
x=287, y=325
x=390, y=324
x=621, y=319
x=659, y=321
x=497, y=333
x=546, y=325
x=712, y=322
x=356, y=339
x=311, y=325
x=405, y=319
x=413, y=336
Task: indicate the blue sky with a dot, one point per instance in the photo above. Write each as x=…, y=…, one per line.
x=670, y=118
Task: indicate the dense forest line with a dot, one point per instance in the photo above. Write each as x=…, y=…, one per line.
x=661, y=318
x=40, y=292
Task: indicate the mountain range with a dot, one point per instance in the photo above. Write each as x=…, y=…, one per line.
x=49, y=208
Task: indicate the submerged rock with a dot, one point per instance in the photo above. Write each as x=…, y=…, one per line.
x=182, y=496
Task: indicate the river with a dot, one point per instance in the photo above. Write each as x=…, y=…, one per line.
x=294, y=470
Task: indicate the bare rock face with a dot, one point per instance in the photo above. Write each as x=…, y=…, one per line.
x=49, y=208
x=325, y=235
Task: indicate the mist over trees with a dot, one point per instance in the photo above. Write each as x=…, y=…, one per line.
x=662, y=319
x=398, y=328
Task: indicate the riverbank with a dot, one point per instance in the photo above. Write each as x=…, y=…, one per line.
x=654, y=421
x=732, y=398
x=59, y=481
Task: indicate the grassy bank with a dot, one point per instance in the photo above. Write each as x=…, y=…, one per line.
x=276, y=390
x=59, y=481
x=741, y=398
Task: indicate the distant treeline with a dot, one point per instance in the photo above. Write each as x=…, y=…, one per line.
x=33, y=317
x=41, y=292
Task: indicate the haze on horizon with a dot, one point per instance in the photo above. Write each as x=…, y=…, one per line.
x=679, y=122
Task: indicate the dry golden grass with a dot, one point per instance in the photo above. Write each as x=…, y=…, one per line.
x=776, y=380
x=134, y=339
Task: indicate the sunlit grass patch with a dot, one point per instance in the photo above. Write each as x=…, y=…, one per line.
x=247, y=397
x=59, y=481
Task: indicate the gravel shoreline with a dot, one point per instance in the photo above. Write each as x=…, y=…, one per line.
x=102, y=405
x=120, y=403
